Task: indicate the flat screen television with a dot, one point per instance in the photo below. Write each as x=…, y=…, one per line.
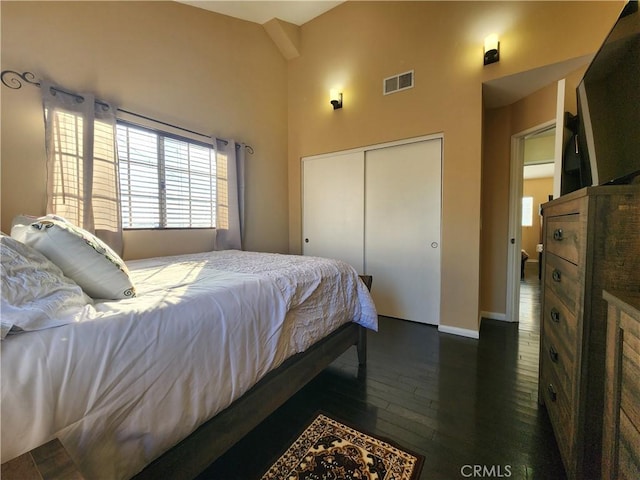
x=606, y=146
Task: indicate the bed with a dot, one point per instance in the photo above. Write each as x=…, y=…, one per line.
x=161, y=384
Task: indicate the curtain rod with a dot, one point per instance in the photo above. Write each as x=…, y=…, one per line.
x=15, y=81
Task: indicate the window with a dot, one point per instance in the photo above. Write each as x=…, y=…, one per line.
x=527, y=211
x=166, y=181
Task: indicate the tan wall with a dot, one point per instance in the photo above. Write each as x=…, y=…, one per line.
x=571, y=83
x=357, y=44
x=184, y=65
x=535, y=109
x=496, y=152
x=539, y=189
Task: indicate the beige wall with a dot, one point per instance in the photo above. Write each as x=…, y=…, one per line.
x=184, y=65
x=496, y=152
x=571, y=83
x=539, y=189
x=357, y=44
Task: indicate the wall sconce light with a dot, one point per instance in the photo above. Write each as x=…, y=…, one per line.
x=335, y=97
x=491, y=49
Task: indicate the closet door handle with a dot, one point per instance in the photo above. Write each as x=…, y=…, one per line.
x=555, y=315
x=557, y=234
x=553, y=354
x=556, y=275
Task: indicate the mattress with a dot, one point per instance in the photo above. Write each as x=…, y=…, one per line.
x=128, y=379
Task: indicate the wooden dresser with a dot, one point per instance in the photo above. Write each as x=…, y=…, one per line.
x=591, y=242
x=621, y=423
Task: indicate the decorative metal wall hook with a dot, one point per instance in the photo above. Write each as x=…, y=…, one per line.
x=14, y=80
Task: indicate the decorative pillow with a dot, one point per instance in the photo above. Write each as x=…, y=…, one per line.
x=82, y=256
x=35, y=292
x=21, y=222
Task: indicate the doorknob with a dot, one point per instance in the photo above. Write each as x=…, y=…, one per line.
x=306, y=240
x=434, y=244
x=513, y=241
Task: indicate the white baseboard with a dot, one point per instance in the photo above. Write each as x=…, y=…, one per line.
x=463, y=332
x=494, y=316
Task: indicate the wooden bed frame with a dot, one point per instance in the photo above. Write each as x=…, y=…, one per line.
x=195, y=453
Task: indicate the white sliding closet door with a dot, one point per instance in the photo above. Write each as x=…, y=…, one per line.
x=333, y=206
x=402, y=229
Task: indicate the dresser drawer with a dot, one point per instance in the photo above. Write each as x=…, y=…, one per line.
x=559, y=410
x=559, y=358
x=564, y=237
x=558, y=320
x=563, y=279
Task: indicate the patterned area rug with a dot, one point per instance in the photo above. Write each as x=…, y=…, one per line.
x=328, y=449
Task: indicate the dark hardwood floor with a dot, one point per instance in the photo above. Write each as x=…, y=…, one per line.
x=456, y=400
x=530, y=298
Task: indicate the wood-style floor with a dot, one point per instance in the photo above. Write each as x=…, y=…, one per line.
x=530, y=298
x=458, y=401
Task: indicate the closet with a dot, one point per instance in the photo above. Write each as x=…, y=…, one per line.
x=378, y=208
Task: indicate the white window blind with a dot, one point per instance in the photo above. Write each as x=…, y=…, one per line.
x=165, y=181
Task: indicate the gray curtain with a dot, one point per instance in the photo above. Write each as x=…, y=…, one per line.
x=82, y=164
x=230, y=165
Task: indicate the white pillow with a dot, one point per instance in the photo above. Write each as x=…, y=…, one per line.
x=35, y=292
x=82, y=256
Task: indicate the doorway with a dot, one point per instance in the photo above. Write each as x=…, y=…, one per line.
x=533, y=167
x=537, y=188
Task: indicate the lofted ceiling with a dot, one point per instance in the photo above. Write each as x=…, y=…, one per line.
x=297, y=12
x=496, y=93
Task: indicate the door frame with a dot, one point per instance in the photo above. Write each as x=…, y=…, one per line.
x=514, y=240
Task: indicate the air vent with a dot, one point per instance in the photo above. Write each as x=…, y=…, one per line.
x=397, y=83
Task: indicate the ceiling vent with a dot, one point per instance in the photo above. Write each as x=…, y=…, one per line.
x=397, y=83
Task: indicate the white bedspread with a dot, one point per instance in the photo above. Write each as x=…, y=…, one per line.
x=130, y=378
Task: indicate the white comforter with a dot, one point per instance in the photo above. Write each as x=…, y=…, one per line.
x=128, y=379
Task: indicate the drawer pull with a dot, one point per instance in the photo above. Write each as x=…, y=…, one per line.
x=553, y=354
x=552, y=393
x=556, y=275
x=557, y=234
x=555, y=315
